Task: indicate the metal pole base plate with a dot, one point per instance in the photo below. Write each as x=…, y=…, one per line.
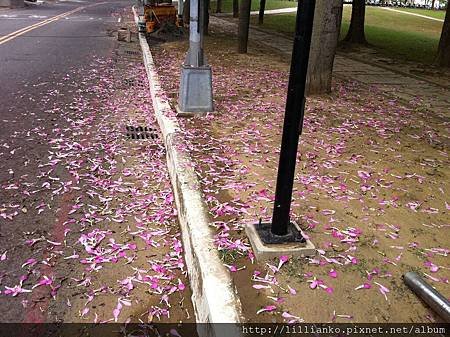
x=266, y=235
x=266, y=245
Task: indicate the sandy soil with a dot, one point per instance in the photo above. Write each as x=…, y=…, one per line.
x=371, y=190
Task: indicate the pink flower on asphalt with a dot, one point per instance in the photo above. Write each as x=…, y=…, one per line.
x=46, y=281
x=16, y=290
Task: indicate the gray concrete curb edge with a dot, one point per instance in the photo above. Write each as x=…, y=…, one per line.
x=214, y=296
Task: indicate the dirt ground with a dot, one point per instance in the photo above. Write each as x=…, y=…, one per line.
x=371, y=190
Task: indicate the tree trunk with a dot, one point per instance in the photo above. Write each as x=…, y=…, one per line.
x=235, y=8
x=244, y=23
x=432, y=4
x=262, y=7
x=186, y=11
x=356, y=30
x=443, y=57
x=219, y=6
x=327, y=24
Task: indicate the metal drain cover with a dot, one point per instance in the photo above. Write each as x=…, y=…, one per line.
x=141, y=132
x=132, y=52
x=129, y=82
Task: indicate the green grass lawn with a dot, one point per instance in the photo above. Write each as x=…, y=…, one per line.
x=395, y=34
x=427, y=12
x=227, y=5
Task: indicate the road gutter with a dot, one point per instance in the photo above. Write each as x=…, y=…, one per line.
x=214, y=295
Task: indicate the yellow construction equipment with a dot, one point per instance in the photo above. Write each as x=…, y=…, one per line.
x=157, y=13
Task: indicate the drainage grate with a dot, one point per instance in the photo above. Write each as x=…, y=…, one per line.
x=141, y=132
x=132, y=52
x=129, y=82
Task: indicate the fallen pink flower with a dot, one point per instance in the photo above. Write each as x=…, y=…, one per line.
x=291, y=318
x=364, y=286
x=332, y=273
x=364, y=175
x=16, y=290
x=382, y=289
x=292, y=290
x=432, y=266
x=283, y=260
x=46, y=281
x=117, y=310
x=268, y=308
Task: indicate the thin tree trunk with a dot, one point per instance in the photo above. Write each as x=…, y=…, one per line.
x=186, y=11
x=443, y=57
x=235, y=8
x=432, y=4
x=206, y=6
x=327, y=24
x=356, y=30
x=243, y=27
x=262, y=7
x=219, y=6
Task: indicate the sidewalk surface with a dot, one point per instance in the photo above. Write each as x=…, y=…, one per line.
x=398, y=85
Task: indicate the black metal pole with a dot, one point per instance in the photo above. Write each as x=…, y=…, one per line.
x=293, y=118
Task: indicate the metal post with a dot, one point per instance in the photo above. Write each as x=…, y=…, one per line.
x=293, y=119
x=195, y=94
x=180, y=9
x=195, y=53
x=428, y=294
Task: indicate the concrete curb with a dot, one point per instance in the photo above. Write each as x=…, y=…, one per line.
x=213, y=293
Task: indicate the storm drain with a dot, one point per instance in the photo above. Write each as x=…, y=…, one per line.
x=132, y=52
x=129, y=82
x=141, y=132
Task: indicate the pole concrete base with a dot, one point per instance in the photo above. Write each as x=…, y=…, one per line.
x=268, y=251
x=195, y=96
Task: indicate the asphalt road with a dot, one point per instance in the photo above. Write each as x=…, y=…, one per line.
x=54, y=47
x=39, y=46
